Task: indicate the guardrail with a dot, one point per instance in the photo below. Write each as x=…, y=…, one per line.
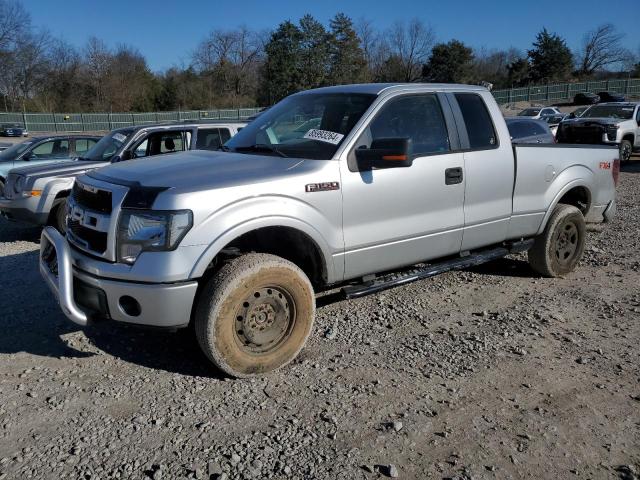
x=90, y=122
x=566, y=91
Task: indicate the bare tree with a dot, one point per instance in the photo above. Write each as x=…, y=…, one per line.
x=97, y=57
x=14, y=22
x=411, y=43
x=600, y=48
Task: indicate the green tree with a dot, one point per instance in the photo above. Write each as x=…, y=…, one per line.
x=347, y=63
x=450, y=62
x=281, y=75
x=518, y=73
x=550, y=58
x=314, y=57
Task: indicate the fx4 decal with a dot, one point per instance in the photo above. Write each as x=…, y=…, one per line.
x=605, y=165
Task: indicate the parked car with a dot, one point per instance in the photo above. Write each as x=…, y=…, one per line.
x=577, y=113
x=395, y=175
x=13, y=130
x=528, y=130
x=539, y=112
x=585, y=98
x=38, y=195
x=608, y=97
x=605, y=124
x=43, y=150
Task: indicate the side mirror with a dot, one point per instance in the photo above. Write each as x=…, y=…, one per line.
x=126, y=155
x=385, y=153
x=27, y=156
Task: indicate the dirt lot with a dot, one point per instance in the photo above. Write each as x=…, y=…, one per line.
x=486, y=373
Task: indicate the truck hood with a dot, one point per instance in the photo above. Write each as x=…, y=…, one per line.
x=196, y=170
x=63, y=169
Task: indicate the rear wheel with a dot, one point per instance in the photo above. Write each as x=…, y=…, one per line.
x=559, y=248
x=625, y=150
x=255, y=315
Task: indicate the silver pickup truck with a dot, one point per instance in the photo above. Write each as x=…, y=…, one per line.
x=384, y=177
x=38, y=194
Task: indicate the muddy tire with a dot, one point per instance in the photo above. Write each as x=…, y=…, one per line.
x=58, y=216
x=626, y=148
x=559, y=248
x=254, y=315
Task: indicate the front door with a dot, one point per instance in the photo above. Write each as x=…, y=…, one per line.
x=401, y=216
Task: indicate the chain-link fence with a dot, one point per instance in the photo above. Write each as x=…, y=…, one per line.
x=91, y=122
x=566, y=91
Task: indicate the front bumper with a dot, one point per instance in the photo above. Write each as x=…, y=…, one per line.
x=84, y=297
x=24, y=210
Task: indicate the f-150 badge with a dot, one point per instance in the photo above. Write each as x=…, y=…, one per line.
x=321, y=187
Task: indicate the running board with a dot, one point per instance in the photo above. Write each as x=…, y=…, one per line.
x=477, y=258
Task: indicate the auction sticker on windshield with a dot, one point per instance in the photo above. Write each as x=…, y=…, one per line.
x=119, y=137
x=324, y=136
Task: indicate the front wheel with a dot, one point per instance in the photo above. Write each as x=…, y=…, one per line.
x=59, y=216
x=625, y=150
x=559, y=248
x=254, y=315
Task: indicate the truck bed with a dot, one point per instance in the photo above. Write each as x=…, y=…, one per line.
x=545, y=173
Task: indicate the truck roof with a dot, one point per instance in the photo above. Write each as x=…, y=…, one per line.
x=378, y=88
x=183, y=123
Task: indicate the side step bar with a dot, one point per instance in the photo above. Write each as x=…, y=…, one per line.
x=476, y=258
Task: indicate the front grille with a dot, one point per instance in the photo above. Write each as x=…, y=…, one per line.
x=92, y=239
x=588, y=135
x=94, y=199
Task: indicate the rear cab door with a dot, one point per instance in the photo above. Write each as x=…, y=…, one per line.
x=489, y=168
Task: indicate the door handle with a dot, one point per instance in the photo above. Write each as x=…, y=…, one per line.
x=453, y=176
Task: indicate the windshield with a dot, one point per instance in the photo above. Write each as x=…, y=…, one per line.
x=310, y=125
x=609, y=111
x=108, y=146
x=14, y=150
x=529, y=112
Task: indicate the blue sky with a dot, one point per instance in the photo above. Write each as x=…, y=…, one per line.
x=166, y=32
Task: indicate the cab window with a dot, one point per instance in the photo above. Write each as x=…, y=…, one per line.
x=477, y=121
x=158, y=143
x=212, y=138
x=84, y=144
x=417, y=117
x=52, y=149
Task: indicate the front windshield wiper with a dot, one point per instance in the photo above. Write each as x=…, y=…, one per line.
x=261, y=147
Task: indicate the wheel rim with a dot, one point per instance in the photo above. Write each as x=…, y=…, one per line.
x=264, y=320
x=566, y=244
x=626, y=152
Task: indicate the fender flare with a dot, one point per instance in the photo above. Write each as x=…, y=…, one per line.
x=556, y=199
x=249, y=225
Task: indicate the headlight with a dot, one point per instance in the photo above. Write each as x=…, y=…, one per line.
x=18, y=184
x=150, y=231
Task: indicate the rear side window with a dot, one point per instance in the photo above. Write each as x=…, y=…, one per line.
x=418, y=117
x=212, y=138
x=84, y=144
x=480, y=129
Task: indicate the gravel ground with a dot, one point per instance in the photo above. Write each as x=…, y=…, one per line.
x=485, y=373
